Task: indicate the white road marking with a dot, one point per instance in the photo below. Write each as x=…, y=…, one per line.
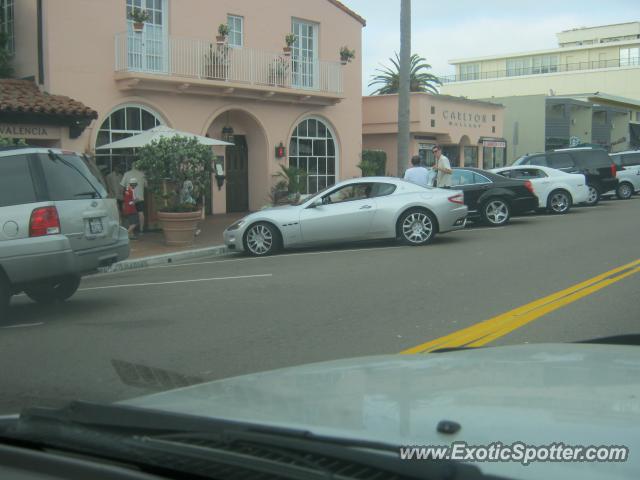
x=23, y=325
x=174, y=282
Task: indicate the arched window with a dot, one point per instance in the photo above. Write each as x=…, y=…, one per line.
x=122, y=123
x=312, y=148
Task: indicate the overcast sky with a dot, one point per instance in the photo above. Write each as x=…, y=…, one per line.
x=450, y=29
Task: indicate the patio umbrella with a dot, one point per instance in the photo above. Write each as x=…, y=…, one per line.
x=148, y=136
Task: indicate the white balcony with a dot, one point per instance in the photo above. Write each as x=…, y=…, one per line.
x=204, y=67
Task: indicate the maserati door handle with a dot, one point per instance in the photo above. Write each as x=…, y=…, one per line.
x=365, y=207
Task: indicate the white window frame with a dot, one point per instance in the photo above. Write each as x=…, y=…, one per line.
x=110, y=152
x=518, y=66
x=149, y=51
x=300, y=77
x=469, y=71
x=336, y=146
x=8, y=24
x=629, y=56
x=231, y=23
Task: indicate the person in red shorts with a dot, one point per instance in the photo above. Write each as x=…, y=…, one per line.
x=129, y=209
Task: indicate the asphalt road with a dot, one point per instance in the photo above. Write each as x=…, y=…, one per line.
x=137, y=332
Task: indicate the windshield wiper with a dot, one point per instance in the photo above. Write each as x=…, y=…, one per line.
x=54, y=156
x=209, y=447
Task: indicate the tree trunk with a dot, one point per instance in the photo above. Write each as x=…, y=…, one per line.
x=403, y=90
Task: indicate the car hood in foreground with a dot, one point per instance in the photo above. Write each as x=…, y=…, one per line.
x=578, y=394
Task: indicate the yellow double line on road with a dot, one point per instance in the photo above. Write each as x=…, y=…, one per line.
x=496, y=327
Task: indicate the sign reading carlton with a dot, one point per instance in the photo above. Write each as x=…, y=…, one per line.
x=44, y=132
x=464, y=119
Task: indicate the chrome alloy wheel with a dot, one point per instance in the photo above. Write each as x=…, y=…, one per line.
x=559, y=202
x=592, y=198
x=625, y=191
x=260, y=239
x=417, y=227
x=497, y=212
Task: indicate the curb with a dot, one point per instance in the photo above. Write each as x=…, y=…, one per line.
x=166, y=258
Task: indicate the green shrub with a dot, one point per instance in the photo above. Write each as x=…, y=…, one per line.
x=373, y=164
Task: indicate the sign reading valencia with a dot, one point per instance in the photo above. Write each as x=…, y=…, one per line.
x=44, y=132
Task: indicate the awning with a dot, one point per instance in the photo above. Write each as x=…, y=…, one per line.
x=493, y=142
x=22, y=102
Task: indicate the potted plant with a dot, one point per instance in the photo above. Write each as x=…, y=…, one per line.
x=293, y=181
x=346, y=55
x=217, y=62
x=289, y=39
x=139, y=17
x=178, y=173
x=279, y=72
x=223, y=32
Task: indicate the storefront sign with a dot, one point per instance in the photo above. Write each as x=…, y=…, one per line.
x=43, y=132
x=464, y=119
x=493, y=144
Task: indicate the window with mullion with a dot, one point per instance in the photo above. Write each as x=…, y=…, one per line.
x=236, y=30
x=6, y=24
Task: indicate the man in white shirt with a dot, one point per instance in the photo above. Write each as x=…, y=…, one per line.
x=442, y=167
x=139, y=191
x=417, y=174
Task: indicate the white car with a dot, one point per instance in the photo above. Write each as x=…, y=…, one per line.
x=556, y=190
x=628, y=164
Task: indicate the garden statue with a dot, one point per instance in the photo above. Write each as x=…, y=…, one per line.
x=186, y=192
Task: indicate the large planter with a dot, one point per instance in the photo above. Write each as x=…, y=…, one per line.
x=138, y=27
x=179, y=228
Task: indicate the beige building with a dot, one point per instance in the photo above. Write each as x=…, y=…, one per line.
x=469, y=131
x=174, y=72
x=597, y=59
x=537, y=123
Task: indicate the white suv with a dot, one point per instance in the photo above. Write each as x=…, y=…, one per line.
x=56, y=224
x=628, y=164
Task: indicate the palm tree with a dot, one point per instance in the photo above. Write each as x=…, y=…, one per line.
x=420, y=80
x=403, y=67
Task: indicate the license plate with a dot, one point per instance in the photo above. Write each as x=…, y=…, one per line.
x=95, y=226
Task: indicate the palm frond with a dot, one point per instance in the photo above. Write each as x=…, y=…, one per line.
x=388, y=77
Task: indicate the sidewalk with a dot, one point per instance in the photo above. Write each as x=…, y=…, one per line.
x=152, y=243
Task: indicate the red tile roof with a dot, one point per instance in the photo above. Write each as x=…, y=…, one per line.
x=24, y=96
x=348, y=11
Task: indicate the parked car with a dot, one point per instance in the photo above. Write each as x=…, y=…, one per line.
x=493, y=198
x=556, y=190
x=357, y=209
x=628, y=165
x=594, y=163
x=56, y=224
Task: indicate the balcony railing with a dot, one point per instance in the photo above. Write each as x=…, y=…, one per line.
x=540, y=70
x=203, y=59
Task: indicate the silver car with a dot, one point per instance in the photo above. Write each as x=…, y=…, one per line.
x=357, y=209
x=56, y=224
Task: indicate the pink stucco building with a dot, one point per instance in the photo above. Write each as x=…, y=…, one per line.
x=175, y=73
x=469, y=131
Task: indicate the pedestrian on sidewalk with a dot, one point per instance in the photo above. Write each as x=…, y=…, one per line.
x=442, y=168
x=417, y=174
x=139, y=176
x=129, y=208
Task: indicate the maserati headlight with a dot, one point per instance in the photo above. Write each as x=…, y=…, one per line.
x=237, y=225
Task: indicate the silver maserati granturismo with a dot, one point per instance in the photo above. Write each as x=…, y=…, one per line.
x=357, y=209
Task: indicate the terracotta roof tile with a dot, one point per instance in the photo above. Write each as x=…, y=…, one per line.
x=24, y=96
x=348, y=11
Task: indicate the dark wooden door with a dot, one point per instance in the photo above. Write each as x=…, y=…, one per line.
x=237, y=175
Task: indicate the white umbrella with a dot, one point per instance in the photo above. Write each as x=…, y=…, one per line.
x=148, y=136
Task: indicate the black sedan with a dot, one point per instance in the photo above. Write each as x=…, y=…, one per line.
x=493, y=198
